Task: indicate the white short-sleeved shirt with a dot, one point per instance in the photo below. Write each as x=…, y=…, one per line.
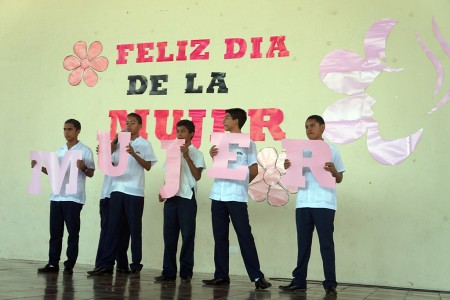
x=232, y=189
x=106, y=187
x=88, y=158
x=187, y=180
x=133, y=180
x=314, y=195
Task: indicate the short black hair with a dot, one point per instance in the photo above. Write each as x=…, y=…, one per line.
x=75, y=123
x=318, y=118
x=188, y=124
x=138, y=117
x=237, y=113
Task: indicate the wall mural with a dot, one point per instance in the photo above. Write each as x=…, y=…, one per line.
x=342, y=71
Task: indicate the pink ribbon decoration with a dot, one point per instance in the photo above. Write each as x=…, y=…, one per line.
x=56, y=172
x=104, y=153
x=173, y=167
x=220, y=168
x=391, y=152
x=350, y=118
x=321, y=153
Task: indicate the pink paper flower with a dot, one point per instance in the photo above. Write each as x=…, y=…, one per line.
x=84, y=64
x=268, y=183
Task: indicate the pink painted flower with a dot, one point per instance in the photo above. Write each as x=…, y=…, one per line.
x=268, y=183
x=84, y=64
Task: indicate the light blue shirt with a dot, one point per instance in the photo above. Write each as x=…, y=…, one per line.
x=314, y=195
x=232, y=189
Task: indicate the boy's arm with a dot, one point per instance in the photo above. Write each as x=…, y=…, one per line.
x=147, y=165
x=253, y=171
x=196, y=172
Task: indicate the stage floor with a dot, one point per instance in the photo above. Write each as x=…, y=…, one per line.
x=19, y=280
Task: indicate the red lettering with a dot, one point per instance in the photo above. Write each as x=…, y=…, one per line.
x=230, y=48
x=257, y=123
x=122, y=53
x=143, y=51
x=197, y=53
x=277, y=44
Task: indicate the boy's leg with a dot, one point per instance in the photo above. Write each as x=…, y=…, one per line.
x=187, y=213
x=324, y=219
x=104, y=215
x=56, y=233
x=305, y=229
x=171, y=231
x=239, y=218
x=71, y=211
x=134, y=208
x=220, y=224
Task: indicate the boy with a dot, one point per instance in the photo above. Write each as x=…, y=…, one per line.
x=124, y=234
x=316, y=207
x=127, y=199
x=229, y=200
x=180, y=210
x=66, y=208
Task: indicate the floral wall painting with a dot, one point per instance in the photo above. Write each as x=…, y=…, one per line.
x=85, y=64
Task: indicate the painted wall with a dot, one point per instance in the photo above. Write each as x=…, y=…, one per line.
x=392, y=223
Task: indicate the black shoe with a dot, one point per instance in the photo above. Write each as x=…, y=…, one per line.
x=135, y=273
x=186, y=279
x=48, y=269
x=122, y=271
x=92, y=271
x=68, y=270
x=101, y=272
x=292, y=287
x=216, y=281
x=164, y=278
x=262, y=284
x=330, y=291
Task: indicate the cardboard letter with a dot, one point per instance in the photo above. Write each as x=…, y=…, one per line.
x=321, y=153
x=220, y=165
x=173, y=167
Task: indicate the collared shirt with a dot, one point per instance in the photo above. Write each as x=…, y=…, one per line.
x=133, y=180
x=88, y=158
x=232, y=189
x=187, y=180
x=314, y=195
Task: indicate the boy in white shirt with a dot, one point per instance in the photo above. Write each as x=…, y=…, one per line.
x=127, y=199
x=180, y=211
x=315, y=208
x=66, y=208
x=229, y=201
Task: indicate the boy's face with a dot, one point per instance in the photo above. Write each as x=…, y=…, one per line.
x=70, y=132
x=132, y=125
x=314, y=130
x=229, y=123
x=183, y=133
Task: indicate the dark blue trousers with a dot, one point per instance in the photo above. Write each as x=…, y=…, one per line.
x=124, y=209
x=61, y=212
x=323, y=220
x=124, y=238
x=222, y=212
x=179, y=216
